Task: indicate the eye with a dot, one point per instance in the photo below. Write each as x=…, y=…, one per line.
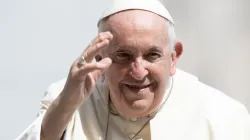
x=122, y=57
x=153, y=56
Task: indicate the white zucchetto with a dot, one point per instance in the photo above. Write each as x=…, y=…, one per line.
x=153, y=6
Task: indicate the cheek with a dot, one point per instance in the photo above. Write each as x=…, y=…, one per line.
x=161, y=73
x=161, y=70
x=115, y=73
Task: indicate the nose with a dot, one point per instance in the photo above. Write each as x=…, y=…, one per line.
x=138, y=70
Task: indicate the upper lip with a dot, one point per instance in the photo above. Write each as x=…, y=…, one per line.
x=139, y=85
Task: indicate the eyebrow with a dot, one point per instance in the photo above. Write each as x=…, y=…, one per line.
x=123, y=47
x=156, y=48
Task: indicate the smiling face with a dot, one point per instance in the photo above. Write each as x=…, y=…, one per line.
x=142, y=61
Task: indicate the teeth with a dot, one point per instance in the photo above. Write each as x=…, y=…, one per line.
x=132, y=86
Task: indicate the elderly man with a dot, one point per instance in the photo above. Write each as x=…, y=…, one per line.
x=133, y=90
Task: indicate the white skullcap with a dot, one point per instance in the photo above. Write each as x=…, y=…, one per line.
x=154, y=6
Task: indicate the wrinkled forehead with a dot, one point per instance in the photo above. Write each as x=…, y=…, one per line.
x=133, y=19
x=136, y=29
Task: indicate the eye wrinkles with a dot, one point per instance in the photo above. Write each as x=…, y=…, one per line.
x=128, y=54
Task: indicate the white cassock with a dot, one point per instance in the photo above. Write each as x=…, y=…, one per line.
x=193, y=111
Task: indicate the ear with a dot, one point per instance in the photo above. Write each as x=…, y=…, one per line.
x=177, y=52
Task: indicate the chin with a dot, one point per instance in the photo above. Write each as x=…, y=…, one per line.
x=138, y=108
x=140, y=104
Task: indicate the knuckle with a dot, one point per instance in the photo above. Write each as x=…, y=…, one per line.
x=98, y=45
x=110, y=35
x=85, y=55
x=101, y=36
x=106, y=41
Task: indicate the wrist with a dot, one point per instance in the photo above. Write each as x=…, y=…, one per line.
x=70, y=102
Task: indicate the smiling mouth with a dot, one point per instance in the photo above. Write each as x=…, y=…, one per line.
x=138, y=87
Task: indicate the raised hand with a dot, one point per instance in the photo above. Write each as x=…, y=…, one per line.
x=85, y=72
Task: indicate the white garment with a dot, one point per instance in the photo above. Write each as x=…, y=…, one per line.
x=154, y=6
x=194, y=111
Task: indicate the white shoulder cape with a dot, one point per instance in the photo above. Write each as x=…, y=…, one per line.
x=194, y=111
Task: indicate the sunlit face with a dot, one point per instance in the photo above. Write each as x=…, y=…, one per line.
x=142, y=62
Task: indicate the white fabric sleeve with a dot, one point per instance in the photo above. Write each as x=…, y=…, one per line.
x=32, y=132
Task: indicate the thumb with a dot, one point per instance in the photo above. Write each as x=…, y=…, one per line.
x=106, y=63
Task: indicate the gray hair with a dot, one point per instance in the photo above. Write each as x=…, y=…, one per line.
x=171, y=35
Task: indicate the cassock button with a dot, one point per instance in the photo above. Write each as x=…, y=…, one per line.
x=133, y=119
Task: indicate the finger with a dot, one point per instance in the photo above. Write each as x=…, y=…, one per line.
x=92, y=50
x=93, y=76
x=90, y=54
x=102, y=36
x=99, y=38
x=98, y=72
x=90, y=67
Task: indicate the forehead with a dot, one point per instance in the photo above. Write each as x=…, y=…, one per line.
x=137, y=29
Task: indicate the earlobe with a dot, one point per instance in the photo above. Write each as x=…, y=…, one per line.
x=173, y=63
x=173, y=70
